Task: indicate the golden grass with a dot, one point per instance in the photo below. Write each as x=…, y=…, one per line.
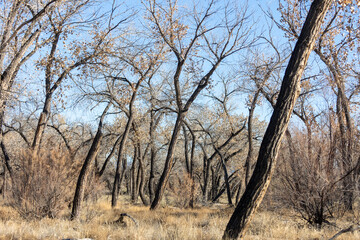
x=166, y=223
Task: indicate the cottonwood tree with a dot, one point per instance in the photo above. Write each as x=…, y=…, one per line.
x=223, y=152
x=190, y=44
x=65, y=24
x=289, y=92
x=144, y=63
x=133, y=61
x=22, y=24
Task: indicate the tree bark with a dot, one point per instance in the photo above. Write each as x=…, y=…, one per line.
x=108, y=158
x=168, y=163
x=80, y=185
x=141, y=175
x=270, y=145
x=121, y=158
x=189, y=162
x=118, y=178
x=250, y=154
x=43, y=119
x=133, y=186
x=153, y=124
x=226, y=177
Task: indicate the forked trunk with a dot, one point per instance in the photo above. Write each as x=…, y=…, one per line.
x=168, y=163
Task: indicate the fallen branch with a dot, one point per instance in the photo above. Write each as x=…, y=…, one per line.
x=121, y=219
x=351, y=229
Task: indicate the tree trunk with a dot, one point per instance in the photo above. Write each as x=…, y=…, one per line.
x=168, y=163
x=189, y=163
x=118, y=178
x=80, y=185
x=206, y=173
x=270, y=145
x=250, y=154
x=142, y=178
x=40, y=128
x=192, y=192
x=152, y=157
x=226, y=177
x=132, y=176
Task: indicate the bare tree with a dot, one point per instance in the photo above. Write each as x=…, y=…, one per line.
x=145, y=64
x=57, y=67
x=21, y=26
x=184, y=41
x=289, y=92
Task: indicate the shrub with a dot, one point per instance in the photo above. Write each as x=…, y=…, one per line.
x=43, y=185
x=183, y=191
x=311, y=184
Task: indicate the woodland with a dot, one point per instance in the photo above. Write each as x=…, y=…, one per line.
x=213, y=111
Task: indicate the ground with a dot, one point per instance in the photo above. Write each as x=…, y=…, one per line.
x=97, y=222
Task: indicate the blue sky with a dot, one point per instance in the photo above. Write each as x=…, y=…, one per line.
x=84, y=113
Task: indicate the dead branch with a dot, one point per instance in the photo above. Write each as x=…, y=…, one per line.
x=351, y=229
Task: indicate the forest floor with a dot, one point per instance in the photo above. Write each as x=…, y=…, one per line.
x=97, y=222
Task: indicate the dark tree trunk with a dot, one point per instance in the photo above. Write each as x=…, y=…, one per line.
x=206, y=173
x=189, y=162
x=142, y=179
x=6, y=158
x=102, y=170
x=80, y=185
x=133, y=176
x=152, y=157
x=191, y=173
x=168, y=163
x=121, y=159
x=270, y=145
x=42, y=123
x=250, y=154
x=226, y=177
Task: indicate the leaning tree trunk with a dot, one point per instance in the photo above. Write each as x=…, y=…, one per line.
x=40, y=128
x=168, y=163
x=270, y=145
x=93, y=151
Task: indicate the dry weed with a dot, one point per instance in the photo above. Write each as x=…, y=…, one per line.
x=164, y=223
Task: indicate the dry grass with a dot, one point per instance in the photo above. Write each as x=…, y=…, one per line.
x=166, y=223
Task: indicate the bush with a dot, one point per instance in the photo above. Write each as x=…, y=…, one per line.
x=182, y=190
x=43, y=185
x=310, y=185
